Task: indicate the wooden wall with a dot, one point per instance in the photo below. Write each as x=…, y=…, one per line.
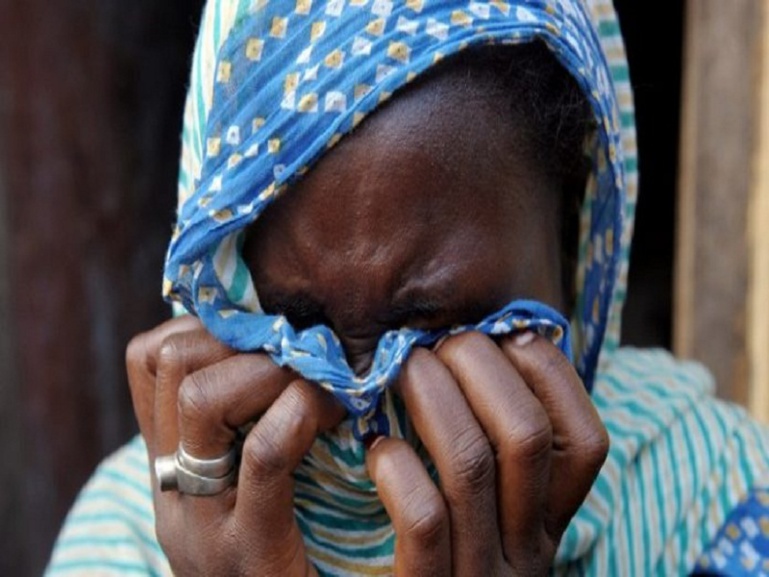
x=90, y=113
x=721, y=313
x=758, y=232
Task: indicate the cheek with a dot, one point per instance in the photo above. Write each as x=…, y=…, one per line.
x=509, y=263
x=271, y=259
x=535, y=269
x=530, y=240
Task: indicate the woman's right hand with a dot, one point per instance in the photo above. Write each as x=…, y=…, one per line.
x=190, y=390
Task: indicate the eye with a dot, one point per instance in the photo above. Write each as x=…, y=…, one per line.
x=426, y=313
x=420, y=312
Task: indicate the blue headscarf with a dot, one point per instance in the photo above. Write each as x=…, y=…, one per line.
x=291, y=78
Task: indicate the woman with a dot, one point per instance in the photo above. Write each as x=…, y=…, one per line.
x=373, y=438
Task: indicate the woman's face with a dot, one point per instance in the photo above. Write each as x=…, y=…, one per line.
x=429, y=215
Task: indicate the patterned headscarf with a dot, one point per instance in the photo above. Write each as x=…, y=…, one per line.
x=289, y=79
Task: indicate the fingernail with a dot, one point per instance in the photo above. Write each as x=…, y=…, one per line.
x=439, y=343
x=371, y=442
x=523, y=339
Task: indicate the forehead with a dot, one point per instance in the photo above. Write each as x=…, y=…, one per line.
x=441, y=155
x=431, y=191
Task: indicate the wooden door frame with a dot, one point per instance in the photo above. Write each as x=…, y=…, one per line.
x=722, y=253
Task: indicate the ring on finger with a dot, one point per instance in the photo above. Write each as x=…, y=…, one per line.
x=174, y=475
x=212, y=468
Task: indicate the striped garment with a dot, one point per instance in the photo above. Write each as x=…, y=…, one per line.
x=680, y=461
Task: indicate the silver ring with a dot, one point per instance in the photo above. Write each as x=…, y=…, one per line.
x=213, y=468
x=189, y=483
x=173, y=475
x=165, y=471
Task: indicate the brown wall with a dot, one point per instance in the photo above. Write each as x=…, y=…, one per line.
x=90, y=98
x=716, y=268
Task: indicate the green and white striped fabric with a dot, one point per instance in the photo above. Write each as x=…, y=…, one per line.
x=679, y=460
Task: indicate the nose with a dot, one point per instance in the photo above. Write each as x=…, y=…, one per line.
x=361, y=364
x=360, y=353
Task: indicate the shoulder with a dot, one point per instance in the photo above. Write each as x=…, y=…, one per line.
x=646, y=396
x=110, y=529
x=680, y=461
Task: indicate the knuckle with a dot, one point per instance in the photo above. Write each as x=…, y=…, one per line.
x=473, y=466
x=195, y=400
x=528, y=440
x=137, y=366
x=595, y=447
x=171, y=353
x=262, y=455
x=426, y=520
x=136, y=352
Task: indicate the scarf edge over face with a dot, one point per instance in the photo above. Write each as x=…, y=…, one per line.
x=218, y=154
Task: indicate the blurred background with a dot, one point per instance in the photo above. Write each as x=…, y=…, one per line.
x=90, y=115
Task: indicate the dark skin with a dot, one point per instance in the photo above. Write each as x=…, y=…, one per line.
x=424, y=218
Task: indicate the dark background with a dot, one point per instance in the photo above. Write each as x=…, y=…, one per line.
x=90, y=112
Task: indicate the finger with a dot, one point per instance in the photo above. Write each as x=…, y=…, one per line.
x=463, y=456
x=143, y=356
x=179, y=355
x=216, y=401
x=213, y=403
x=418, y=513
x=272, y=451
x=141, y=365
x=580, y=441
x=520, y=433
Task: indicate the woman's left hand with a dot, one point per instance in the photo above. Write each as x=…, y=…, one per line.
x=517, y=444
